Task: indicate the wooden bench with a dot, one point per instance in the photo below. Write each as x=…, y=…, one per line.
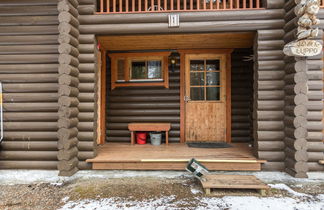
x=133, y=127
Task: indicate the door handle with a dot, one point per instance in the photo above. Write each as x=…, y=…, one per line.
x=186, y=99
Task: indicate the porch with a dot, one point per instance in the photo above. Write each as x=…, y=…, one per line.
x=175, y=156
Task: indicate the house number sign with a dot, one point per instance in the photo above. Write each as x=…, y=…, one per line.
x=303, y=48
x=306, y=11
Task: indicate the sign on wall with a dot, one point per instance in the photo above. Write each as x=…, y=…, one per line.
x=306, y=10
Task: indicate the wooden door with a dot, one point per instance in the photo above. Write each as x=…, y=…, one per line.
x=205, y=97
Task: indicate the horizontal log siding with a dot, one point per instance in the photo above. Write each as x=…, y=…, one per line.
x=143, y=104
x=29, y=73
x=87, y=89
x=269, y=99
x=242, y=96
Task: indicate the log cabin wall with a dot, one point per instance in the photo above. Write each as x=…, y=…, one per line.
x=68, y=87
x=88, y=77
x=143, y=104
x=29, y=73
x=242, y=96
x=303, y=106
x=269, y=98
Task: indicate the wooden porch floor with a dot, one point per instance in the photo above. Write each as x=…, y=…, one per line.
x=174, y=156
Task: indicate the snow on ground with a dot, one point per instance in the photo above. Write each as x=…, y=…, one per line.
x=227, y=202
x=51, y=176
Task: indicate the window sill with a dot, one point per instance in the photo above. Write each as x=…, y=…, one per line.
x=140, y=84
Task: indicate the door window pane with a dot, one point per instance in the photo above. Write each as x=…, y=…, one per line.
x=197, y=93
x=154, y=69
x=197, y=65
x=212, y=93
x=212, y=65
x=197, y=78
x=120, y=69
x=212, y=78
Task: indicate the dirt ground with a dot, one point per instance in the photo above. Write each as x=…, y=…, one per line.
x=54, y=196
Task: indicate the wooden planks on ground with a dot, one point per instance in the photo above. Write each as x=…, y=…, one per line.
x=221, y=181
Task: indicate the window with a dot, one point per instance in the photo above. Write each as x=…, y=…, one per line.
x=205, y=80
x=139, y=69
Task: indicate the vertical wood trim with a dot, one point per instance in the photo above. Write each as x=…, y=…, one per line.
x=178, y=4
x=145, y=6
x=114, y=5
x=165, y=71
x=108, y=6
x=103, y=98
x=120, y=5
x=182, y=95
x=171, y=9
x=228, y=98
x=165, y=5
x=101, y=6
x=133, y=5
x=99, y=61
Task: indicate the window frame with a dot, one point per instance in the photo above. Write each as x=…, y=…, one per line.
x=129, y=57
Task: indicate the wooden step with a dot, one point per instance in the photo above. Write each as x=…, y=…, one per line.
x=220, y=181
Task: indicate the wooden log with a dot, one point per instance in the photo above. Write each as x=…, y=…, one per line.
x=295, y=122
x=271, y=155
x=315, y=146
x=68, y=39
x=270, y=34
x=67, y=165
x=68, y=80
x=298, y=133
x=270, y=135
x=270, y=105
x=68, y=60
x=314, y=115
x=66, y=7
x=29, y=59
x=273, y=4
x=28, y=30
x=66, y=28
x=66, y=17
x=298, y=166
x=63, y=144
x=38, y=10
x=90, y=77
x=314, y=126
x=273, y=166
x=298, y=66
x=300, y=88
x=30, y=136
x=186, y=27
x=29, y=39
x=28, y=78
x=68, y=154
x=68, y=49
x=315, y=166
x=87, y=39
x=269, y=115
x=87, y=58
x=84, y=165
x=27, y=68
x=68, y=112
x=65, y=90
x=86, y=87
x=68, y=69
x=30, y=97
x=296, y=174
x=28, y=155
x=86, y=48
x=68, y=101
x=67, y=122
x=86, y=10
x=30, y=126
x=315, y=156
x=48, y=165
x=67, y=134
x=297, y=144
x=85, y=155
x=299, y=110
x=87, y=67
x=87, y=126
x=299, y=99
x=29, y=145
x=270, y=125
x=315, y=136
x=297, y=155
x=263, y=45
x=29, y=87
x=271, y=145
x=27, y=49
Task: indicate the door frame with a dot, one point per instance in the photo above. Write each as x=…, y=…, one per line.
x=183, y=54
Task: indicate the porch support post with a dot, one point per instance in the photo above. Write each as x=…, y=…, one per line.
x=68, y=87
x=303, y=102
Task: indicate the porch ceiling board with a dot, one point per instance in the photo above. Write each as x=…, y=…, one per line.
x=177, y=41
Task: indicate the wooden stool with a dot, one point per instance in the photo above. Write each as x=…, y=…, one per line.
x=133, y=127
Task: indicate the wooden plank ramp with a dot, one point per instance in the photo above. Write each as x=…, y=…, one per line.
x=221, y=181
